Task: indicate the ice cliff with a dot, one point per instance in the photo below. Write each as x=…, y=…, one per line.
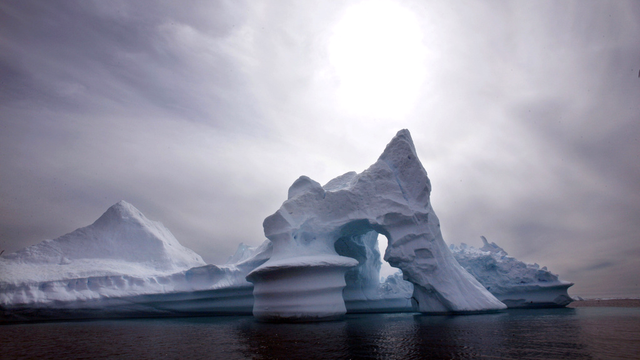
x=513, y=282
x=304, y=278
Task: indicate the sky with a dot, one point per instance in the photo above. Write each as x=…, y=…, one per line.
x=526, y=116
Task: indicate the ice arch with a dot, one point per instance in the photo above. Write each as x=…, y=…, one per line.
x=305, y=275
x=363, y=280
x=364, y=291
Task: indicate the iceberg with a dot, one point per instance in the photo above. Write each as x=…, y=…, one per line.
x=305, y=276
x=123, y=265
x=515, y=283
x=321, y=260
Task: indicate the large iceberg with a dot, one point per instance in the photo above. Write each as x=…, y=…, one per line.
x=304, y=278
x=512, y=281
x=121, y=265
x=320, y=261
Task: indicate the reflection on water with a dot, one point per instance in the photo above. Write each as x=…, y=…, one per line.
x=585, y=333
x=522, y=334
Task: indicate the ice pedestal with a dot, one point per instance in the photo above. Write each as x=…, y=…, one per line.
x=304, y=288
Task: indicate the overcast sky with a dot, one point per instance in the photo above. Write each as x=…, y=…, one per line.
x=526, y=116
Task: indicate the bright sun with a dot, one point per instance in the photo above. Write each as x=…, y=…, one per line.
x=378, y=55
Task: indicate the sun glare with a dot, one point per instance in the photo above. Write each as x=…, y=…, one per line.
x=377, y=52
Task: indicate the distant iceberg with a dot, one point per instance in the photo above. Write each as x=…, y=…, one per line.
x=515, y=283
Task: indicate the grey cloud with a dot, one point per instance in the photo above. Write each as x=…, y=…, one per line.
x=70, y=54
x=84, y=88
x=557, y=182
x=201, y=114
x=599, y=266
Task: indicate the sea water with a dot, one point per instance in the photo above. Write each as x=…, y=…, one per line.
x=582, y=333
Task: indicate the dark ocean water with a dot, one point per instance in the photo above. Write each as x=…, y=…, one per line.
x=583, y=333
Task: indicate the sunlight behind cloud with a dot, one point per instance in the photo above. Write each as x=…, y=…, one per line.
x=378, y=55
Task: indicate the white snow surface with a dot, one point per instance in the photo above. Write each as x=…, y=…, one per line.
x=391, y=197
x=121, y=242
x=121, y=254
x=514, y=282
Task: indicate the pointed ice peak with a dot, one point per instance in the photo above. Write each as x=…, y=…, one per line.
x=400, y=146
x=122, y=233
x=124, y=206
x=120, y=211
x=124, y=209
x=401, y=158
x=491, y=247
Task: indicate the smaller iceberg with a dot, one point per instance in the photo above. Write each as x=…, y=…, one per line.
x=515, y=283
x=123, y=265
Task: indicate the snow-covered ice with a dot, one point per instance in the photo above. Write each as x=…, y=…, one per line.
x=125, y=263
x=515, y=283
x=121, y=242
x=391, y=197
x=512, y=281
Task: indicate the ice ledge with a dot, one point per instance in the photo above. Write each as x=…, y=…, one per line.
x=317, y=261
